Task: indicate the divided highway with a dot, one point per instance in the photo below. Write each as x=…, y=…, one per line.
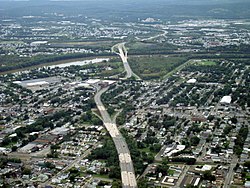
x=126, y=164
x=123, y=53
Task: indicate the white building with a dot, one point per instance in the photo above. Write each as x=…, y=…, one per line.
x=226, y=100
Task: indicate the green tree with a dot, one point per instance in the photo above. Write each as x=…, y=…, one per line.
x=96, y=121
x=247, y=164
x=49, y=165
x=14, y=148
x=116, y=184
x=110, y=110
x=142, y=183
x=194, y=141
x=115, y=172
x=155, y=148
x=208, y=176
x=234, y=120
x=26, y=171
x=163, y=168
x=210, y=118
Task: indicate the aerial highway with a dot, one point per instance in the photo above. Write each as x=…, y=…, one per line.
x=126, y=164
x=123, y=53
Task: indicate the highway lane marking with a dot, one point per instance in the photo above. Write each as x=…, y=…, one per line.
x=127, y=158
x=122, y=158
x=125, y=178
x=132, y=181
x=101, y=108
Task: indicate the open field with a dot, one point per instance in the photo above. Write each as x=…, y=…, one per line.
x=139, y=45
x=205, y=63
x=87, y=44
x=154, y=67
x=248, y=176
x=11, y=42
x=147, y=47
x=117, y=68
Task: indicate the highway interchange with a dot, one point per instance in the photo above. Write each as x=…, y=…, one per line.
x=123, y=53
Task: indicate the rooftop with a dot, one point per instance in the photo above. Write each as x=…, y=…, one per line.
x=226, y=99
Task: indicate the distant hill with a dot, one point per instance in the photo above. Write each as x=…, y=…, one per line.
x=131, y=9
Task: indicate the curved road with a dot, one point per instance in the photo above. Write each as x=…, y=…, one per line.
x=154, y=37
x=126, y=164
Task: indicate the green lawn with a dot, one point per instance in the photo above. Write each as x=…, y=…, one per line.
x=117, y=68
x=105, y=176
x=205, y=63
x=154, y=67
x=248, y=177
x=11, y=42
x=88, y=44
x=147, y=150
x=138, y=45
x=171, y=172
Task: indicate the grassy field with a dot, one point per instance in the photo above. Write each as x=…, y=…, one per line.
x=117, y=68
x=154, y=67
x=86, y=44
x=248, y=176
x=138, y=45
x=205, y=63
x=171, y=172
x=49, y=64
x=11, y=42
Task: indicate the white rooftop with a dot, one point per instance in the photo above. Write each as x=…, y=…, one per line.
x=192, y=81
x=206, y=168
x=93, y=81
x=37, y=83
x=171, y=180
x=2, y=149
x=59, y=130
x=226, y=99
x=38, y=43
x=83, y=85
x=12, y=135
x=109, y=81
x=107, y=186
